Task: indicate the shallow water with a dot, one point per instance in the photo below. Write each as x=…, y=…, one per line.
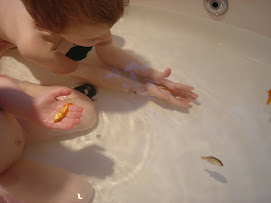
x=147, y=151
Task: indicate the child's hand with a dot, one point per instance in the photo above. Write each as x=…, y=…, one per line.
x=179, y=96
x=175, y=93
x=46, y=106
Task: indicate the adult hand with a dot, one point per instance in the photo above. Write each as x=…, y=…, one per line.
x=46, y=106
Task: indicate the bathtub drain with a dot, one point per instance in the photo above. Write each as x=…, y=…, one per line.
x=216, y=7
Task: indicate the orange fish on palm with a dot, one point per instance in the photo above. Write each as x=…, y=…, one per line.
x=62, y=113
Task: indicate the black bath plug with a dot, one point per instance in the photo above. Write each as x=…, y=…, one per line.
x=87, y=89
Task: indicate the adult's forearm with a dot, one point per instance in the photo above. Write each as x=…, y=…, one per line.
x=13, y=99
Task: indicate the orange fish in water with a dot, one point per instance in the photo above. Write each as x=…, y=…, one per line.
x=62, y=113
x=213, y=160
x=165, y=88
x=269, y=97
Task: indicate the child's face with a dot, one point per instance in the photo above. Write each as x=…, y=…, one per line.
x=86, y=35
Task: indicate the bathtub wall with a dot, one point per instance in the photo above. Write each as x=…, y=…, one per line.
x=254, y=15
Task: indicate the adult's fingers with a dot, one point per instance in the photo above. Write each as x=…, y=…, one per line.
x=66, y=123
x=60, y=92
x=74, y=115
x=74, y=108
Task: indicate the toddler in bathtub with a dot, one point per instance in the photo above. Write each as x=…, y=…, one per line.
x=36, y=28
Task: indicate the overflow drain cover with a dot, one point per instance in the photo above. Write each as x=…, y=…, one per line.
x=216, y=7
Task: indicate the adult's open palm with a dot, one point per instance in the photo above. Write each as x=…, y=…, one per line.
x=46, y=106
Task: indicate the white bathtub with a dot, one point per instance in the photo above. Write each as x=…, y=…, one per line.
x=144, y=151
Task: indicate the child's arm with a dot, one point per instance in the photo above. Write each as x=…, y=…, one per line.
x=40, y=110
x=118, y=58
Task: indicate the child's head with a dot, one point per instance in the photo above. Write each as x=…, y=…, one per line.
x=56, y=15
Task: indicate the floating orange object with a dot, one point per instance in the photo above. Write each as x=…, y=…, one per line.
x=165, y=88
x=62, y=113
x=269, y=97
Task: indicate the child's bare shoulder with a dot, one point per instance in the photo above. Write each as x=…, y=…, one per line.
x=19, y=28
x=12, y=16
x=37, y=44
x=36, y=38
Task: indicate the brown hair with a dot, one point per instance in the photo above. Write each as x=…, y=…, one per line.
x=54, y=15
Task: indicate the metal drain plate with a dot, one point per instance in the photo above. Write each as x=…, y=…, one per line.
x=216, y=7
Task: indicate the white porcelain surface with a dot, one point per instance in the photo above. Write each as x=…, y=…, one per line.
x=144, y=151
x=247, y=14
